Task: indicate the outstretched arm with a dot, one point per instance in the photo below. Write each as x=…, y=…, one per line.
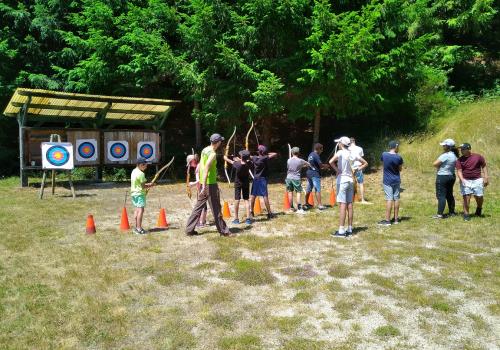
x=272, y=155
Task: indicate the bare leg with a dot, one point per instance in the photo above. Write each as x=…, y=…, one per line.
x=362, y=191
x=268, y=205
x=388, y=207
x=252, y=204
x=342, y=212
x=298, y=199
x=466, y=204
x=479, y=201
x=138, y=213
x=247, y=208
x=236, y=209
x=290, y=198
x=350, y=210
x=396, y=210
x=318, y=198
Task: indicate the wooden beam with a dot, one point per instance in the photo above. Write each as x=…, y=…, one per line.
x=76, y=120
x=87, y=109
x=92, y=98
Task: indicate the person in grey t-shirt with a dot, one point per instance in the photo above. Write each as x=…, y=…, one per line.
x=445, y=178
x=294, y=166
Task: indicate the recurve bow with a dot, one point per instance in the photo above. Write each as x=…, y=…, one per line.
x=158, y=173
x=226, y=153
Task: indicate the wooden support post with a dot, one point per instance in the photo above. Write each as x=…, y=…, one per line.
x=21, y=119
x=53, y=181
x=71, y=185
x=42, y=186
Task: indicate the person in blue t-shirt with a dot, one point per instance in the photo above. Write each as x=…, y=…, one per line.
x=314, y=175
x=393, y=164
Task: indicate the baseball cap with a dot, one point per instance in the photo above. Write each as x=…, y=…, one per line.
x=189, y=159
x=141, y=160
x=244, y=154
x=465, y=145
x=448, y=142
x=295, y=150
x=216, y=138
x=344, y=140
x=393, y=144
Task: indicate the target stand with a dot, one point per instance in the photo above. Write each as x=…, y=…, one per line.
x=57, y=156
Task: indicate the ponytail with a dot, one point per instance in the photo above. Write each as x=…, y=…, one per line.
x=455, y=151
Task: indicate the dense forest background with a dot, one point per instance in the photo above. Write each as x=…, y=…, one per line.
x=297, y=68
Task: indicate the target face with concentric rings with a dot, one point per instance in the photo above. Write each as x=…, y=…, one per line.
x=146, y=150
x=86, y=150
x=57, y=155
x=118, y=151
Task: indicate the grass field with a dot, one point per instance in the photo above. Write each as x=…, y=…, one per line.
x=281, y=284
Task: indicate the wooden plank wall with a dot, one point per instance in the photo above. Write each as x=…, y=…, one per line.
x=34, y=137
x=76, y=134
x=33, y=141
x=133, y=138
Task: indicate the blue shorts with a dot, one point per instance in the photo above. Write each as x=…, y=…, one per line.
x=391, y=192
x=359, y=176
x=139, y=201
x=259, y=187
x=313, y=183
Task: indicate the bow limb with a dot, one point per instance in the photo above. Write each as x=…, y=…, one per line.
x=226, y=153
x=248, y=134
x=158, y=173
x=289, y=151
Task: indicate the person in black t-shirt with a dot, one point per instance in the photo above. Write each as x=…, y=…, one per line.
x=242, y=167
x=261, y=173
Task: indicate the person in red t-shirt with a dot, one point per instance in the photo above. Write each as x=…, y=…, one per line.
x=469, y=167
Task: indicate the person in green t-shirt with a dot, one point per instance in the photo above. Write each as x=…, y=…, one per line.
x=138, y=188
x=209, y=191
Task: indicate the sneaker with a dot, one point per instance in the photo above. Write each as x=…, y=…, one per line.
x=300, y=211
x=384, y=223
x=136, y=231
x=321, y=207
x=348, y=233
x=466, y=217
x=452, y=214
x=248, y=221
x=338, y=234
x=396, y=222
x=479, y=212
x=271, y=216
x=438, y=216
x=229, y=234
x=236, y=222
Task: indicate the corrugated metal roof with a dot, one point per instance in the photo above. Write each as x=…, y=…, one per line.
x=64, y=105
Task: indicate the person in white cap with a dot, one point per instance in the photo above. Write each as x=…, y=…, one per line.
x=445, y=179
x=342, y=163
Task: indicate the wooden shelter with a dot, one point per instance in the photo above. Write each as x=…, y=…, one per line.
x=36, y=108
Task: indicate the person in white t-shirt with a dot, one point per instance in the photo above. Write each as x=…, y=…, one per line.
x=357, y=151
x=342, y=163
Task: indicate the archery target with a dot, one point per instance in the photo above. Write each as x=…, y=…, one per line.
x=57, y=155
x=118, y=151
x=86, y=150
x=146, y=150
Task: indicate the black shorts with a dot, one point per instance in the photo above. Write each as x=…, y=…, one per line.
x=240, y=188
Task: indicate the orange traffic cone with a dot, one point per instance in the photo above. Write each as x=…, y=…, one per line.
x=286, y=202
x=256, y=207
x=226, y=214
x=90, y=226
x=162, y=219
x=124, y=225
x=332, y=197
x=310, y=200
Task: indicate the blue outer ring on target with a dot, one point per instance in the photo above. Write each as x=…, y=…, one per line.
x=117, y=153
x=143, y=149
x=82, y=153
x=52, y=153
